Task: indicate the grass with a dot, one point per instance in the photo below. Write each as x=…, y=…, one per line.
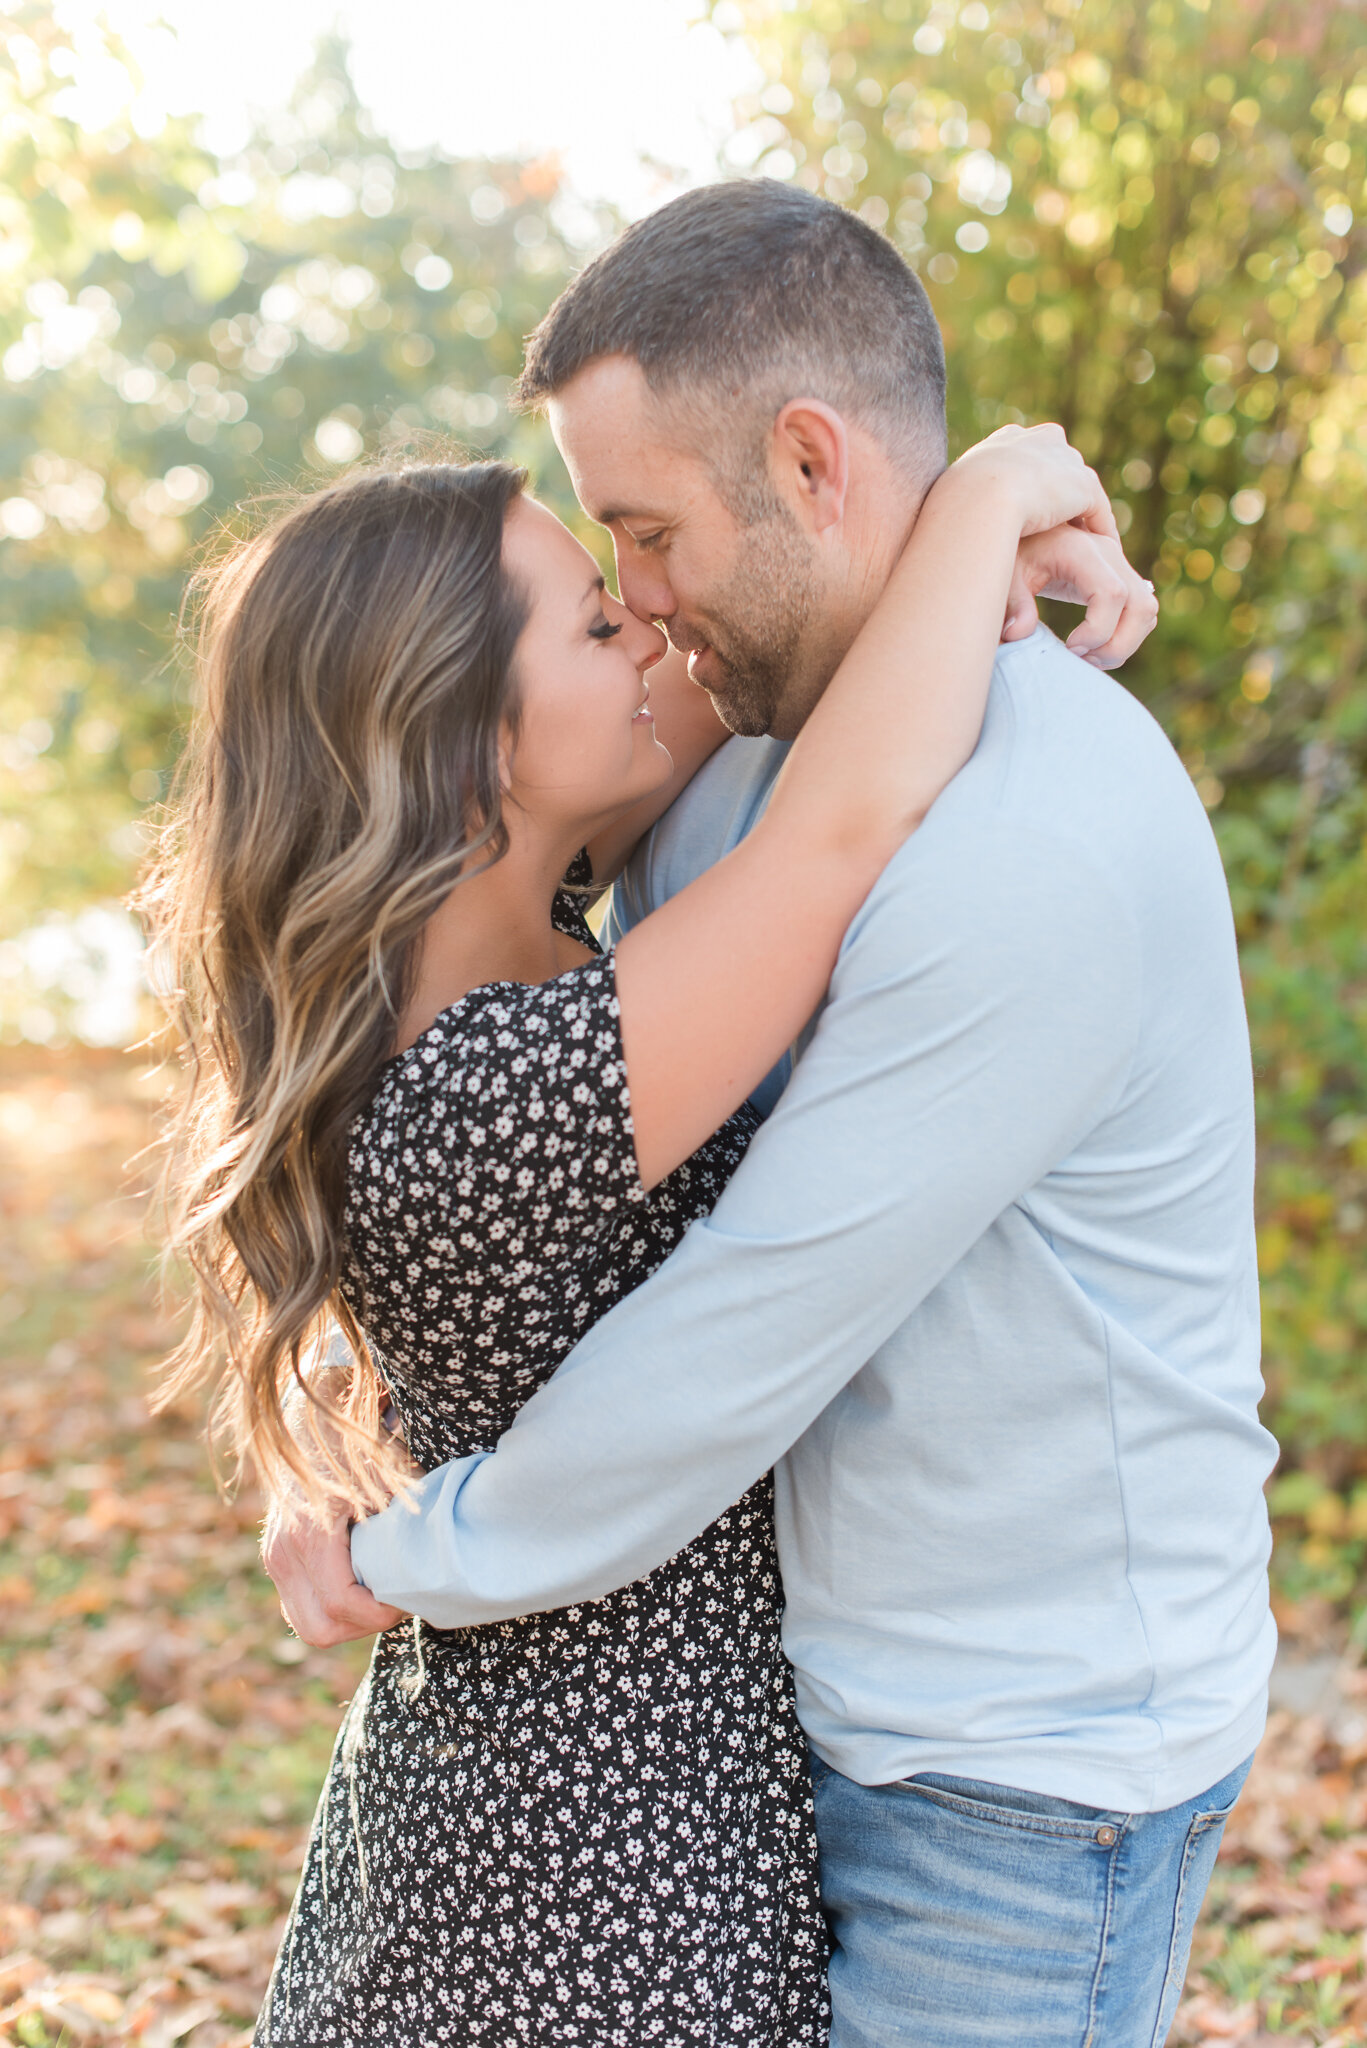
x=162, y=1738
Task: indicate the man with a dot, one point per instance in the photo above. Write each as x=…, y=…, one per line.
x=985, y=1288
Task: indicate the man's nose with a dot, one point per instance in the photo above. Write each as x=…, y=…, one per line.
x=645, y=588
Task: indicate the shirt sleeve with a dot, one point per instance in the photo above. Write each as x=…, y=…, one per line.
x=982, y=1020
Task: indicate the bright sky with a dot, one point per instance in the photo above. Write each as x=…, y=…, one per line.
x=604, y=82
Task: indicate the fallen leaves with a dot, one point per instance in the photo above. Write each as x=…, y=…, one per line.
x=162, y=1738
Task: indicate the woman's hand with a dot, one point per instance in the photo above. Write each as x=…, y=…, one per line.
x=320, y=1596
x=1043, y=476
x=1088, y=569
x=1070, y=545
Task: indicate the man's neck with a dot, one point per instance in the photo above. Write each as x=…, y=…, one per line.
x=879, y=523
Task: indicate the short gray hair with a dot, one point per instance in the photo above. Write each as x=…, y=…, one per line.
x=738, y=297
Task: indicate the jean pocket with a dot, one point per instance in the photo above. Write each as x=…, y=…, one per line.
x=1006, y=1807
x=1202, y=1846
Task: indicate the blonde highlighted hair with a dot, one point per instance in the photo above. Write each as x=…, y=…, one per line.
x=355, y=673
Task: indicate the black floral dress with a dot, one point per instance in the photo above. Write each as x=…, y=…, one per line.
x=585, y=1829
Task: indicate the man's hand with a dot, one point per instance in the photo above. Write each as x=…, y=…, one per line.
x=320, y=1596
x=1088, y=569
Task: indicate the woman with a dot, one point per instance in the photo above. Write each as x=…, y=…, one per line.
x=423, y=1102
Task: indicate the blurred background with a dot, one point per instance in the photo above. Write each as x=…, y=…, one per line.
x=238, y=249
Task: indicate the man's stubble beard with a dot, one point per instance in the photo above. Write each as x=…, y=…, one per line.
x=760, y=629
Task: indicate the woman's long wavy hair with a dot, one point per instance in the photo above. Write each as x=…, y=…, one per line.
x=355, y=673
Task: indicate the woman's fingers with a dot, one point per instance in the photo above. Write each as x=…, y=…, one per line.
x=1138, y=613
x=1089, y=569
x=1105, y=603
x=1022, y=613
x=1054, y=483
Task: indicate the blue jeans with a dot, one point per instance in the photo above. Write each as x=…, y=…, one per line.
x=966, y=1913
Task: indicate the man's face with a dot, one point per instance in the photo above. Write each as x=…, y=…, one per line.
x=738, y=599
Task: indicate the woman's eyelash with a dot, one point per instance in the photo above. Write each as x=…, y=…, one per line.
x=604, y=631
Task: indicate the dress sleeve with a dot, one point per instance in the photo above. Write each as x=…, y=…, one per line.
x=506, y=1128
x=947, y=1076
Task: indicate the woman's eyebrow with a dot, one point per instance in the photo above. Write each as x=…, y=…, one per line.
x=598, y=584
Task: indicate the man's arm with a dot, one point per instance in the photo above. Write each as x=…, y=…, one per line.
x=981, y=1021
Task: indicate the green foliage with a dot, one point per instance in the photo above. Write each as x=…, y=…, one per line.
x=1139, y=219
x=180, y=334
x=1136, y=218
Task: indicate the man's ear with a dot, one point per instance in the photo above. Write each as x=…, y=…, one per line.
x=810, y=453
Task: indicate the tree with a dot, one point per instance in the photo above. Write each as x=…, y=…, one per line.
x=1143, y=220
x=180, y=334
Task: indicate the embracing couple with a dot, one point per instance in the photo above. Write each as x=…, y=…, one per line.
x=823, y=1319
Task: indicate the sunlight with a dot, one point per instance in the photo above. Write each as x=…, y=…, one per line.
x=634, y=96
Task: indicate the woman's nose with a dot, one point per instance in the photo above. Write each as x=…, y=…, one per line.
x=653, y=647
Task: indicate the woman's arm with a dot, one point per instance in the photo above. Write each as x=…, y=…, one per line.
x=719, y=981
x=1063, y=564
x=687, y=726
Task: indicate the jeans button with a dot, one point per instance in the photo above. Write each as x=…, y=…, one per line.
x=1106, y=1837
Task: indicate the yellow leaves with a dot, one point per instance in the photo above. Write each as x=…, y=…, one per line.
x=211, y=258
x=1090, y=228
x=216, y=263
x=1274, y=1244
x=92, y=1596
x=1077, y=167
x=1053, y=326
x=996, y=324
x=74, y=2011
x=1327, y=1516
x=16, y=242
x=93, y=2000
x=1258, y=401
x=1132, y=148
x=1089, y=71
x=1256, y=682
x=167, y=1733
x=128, y=235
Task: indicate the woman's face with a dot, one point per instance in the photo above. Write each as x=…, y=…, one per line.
x=585, y=748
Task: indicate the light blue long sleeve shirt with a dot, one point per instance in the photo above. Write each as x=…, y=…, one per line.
x=983, y=1291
